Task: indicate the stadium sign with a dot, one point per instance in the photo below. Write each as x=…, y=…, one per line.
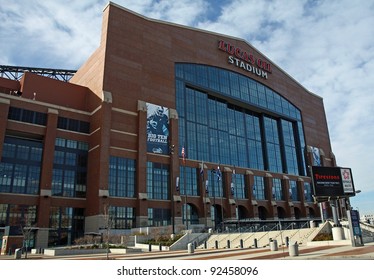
x=245, y=60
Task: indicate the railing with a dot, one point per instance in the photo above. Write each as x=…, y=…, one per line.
x=272, y=229
x=268, y=232
x=306, y=236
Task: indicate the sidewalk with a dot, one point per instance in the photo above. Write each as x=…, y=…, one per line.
x=335, y=252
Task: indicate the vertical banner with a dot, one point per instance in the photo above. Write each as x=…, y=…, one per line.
x=316, y=156
x=157, y=129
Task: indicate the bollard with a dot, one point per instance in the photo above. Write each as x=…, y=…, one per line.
x=190, y=248
x=216, y=243
x=149, y=248
x=287, y=241
x=18, y=254
x=205, y=245
x=241, y=244
x=228, y=244
x=274, y=245
x=160, y=247
x=255, y=242
x=293, y=250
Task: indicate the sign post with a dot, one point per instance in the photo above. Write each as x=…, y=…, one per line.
x=331, y=184
x=354, y=227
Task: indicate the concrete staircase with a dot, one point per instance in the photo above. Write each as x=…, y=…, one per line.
x=248, y=239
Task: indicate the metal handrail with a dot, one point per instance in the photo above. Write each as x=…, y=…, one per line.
x=267, y=233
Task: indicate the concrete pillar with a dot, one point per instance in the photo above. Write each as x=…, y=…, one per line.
x=293, y=250
x=273, y=245
x=337, y=233
x=190, y=248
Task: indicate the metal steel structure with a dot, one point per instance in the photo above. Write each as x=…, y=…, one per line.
x=16, y=72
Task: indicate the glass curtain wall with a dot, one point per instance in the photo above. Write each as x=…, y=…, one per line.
x=227, y=118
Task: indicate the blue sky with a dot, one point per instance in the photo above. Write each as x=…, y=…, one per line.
x=327, y=46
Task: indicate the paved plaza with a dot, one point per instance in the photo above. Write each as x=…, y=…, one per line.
x=334, y=252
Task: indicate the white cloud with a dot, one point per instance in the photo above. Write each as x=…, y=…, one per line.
x=56, y=34
x=180, y=12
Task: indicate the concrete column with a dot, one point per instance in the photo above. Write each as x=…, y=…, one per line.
x=337, y=233
x=293, y=250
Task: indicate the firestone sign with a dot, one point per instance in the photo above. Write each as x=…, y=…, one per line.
x=245, y=60
x=332, y=181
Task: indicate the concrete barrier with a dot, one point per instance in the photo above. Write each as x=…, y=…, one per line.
x=293, y=250
x=190, y=248
x=18, y=254
x=338, y=233
x=273, y=245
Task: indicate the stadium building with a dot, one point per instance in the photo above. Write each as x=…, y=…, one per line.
x=164, y=125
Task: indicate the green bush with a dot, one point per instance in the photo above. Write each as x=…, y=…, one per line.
x=323, y=237
x=163, y=240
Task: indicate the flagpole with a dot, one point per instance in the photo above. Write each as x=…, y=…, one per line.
x=223, y=223
x=214, y=203
x=205, y=203
x=185, y=187
x=215, y=208
x=205, y=192
x=219, y=175
x=185, y=195
x=233, y=192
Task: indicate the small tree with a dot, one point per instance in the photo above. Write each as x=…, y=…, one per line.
x=108, y=223
x=27, y=225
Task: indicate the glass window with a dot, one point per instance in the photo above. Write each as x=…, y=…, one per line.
x=294, y=195
x=202, y=137
x=9, y=150
x=20, y=166
x=308, y=192
x=57, y=179
x=69, y=183
x=70, y=168
x=290, y=147
x=14, y=113
x=158, y=217
x=238, y=189
x=122, y=217
x=215, y=183
x=73, y=125
x=70, y=158
x=273, y=145
x=277, y=189
x=71, y=144
x=36, y=154
x=66, y=224
x=158, y=181
x=6, y=175
x=258, y=188
x=24, y=115
x=188, y=182
x=22, y=152
x=235, y=134
x=122, y=177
